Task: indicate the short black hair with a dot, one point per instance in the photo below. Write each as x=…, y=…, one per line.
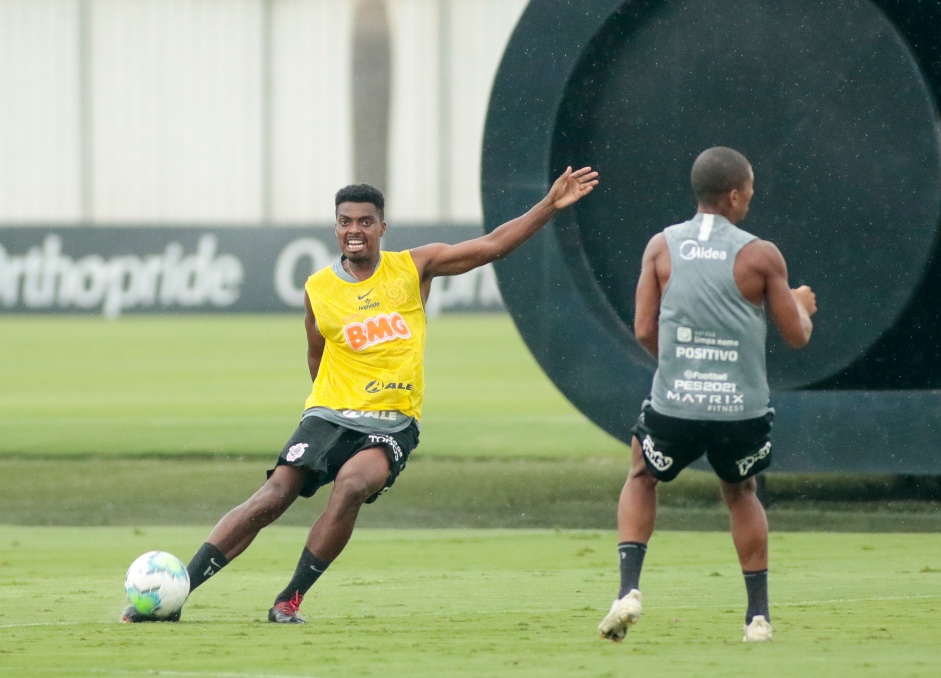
x=717, y=171
x=362, y=193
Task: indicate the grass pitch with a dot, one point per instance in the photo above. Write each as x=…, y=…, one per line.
x=172, y=419
x=473, y=603
x=236, y=385
x=121, y=437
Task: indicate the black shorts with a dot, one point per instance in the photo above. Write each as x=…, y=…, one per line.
x=736, y=450
x=322, y=448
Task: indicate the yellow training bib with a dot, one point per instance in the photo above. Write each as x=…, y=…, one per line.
x=375, y=338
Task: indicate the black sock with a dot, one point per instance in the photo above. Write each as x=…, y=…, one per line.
x=206, y=562
x=309, y=568
x=756, y=586
x=631, y=554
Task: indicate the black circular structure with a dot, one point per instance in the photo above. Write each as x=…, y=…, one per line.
x=833, y=101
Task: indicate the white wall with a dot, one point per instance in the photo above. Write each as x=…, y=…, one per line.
x=234, y=111
x=479, y=33
x=445, y=55
x=414, y=120
x=176, y=111
x=311, y=130
x=39, y=111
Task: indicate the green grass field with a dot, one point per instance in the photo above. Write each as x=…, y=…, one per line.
x=121, y=437
x=237, y=384
x=474, y=603
x=93, y=412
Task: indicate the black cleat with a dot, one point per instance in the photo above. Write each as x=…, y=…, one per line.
x=285, y=611
x=132, y=616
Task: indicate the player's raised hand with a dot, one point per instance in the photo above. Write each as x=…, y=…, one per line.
x=571, y=186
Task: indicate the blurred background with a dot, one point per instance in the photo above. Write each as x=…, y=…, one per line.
x=243, y=112
x=167, y=157
x=181, y=156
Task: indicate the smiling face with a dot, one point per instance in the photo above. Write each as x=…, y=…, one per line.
x=359, y=227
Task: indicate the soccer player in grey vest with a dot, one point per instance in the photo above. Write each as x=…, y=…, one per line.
x=710, y=395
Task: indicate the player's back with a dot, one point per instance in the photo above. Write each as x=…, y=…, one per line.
x=711, y=339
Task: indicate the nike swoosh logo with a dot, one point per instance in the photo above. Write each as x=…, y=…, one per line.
x=215, y=564
x=316, y=570
x=363, y=296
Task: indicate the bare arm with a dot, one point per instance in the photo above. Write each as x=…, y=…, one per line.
x=439, y=259
x=315, y=340
x=806, y=302
x=654, y=272
x=790, y=309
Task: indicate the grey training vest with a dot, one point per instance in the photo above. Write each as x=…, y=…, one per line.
x=711, y=339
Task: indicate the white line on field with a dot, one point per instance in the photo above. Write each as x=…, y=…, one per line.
x=811, y=603
x=832, y=601
x=398, y=615
x=163, y=672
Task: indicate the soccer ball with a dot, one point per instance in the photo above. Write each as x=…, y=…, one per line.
x=157, y=584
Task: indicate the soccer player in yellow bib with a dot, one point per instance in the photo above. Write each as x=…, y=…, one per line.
x=365, y=324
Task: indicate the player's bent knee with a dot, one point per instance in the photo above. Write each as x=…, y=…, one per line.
x=363, y=476
x=358, y=487
x=278, y=493
x=266, y=506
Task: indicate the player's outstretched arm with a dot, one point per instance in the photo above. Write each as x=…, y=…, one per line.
x=439, y=259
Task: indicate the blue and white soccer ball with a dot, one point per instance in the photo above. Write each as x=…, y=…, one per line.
x=157, y=584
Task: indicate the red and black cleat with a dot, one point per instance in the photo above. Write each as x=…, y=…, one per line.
x=285, y=611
